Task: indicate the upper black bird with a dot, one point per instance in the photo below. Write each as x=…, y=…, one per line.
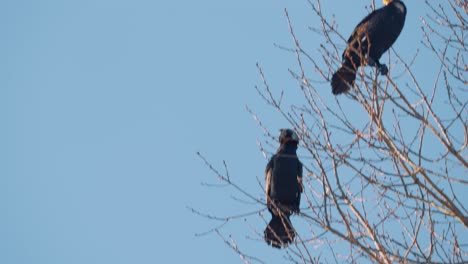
x=374, y=35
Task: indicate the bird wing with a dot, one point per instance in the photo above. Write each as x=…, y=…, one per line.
x=268, y=172
x=363, y=24
x=267, y=181
x=363, y=31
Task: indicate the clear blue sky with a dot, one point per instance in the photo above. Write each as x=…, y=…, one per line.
x=104, y=104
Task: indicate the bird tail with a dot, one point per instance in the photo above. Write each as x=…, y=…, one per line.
x=279, y=232
x=342, y=80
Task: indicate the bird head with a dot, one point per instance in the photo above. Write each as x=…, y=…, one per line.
x=287, y=135
x=398, y=4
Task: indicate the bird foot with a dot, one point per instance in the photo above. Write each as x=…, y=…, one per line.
x=375, y=63
x=383, y=69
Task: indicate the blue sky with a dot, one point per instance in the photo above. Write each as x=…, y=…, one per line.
x=104, y=105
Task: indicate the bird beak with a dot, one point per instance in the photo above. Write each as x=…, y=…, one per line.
x=386, y=2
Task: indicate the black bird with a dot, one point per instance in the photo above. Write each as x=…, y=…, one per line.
x=283, y=187
x=374, y=35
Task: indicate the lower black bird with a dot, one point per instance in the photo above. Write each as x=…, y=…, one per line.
x=283, y=187
x=374, y=35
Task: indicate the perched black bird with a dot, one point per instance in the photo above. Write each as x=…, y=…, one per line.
x=283, y=187
x=374, y=35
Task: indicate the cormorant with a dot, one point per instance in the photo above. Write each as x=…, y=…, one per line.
x=283, y=187
x=374, y=35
